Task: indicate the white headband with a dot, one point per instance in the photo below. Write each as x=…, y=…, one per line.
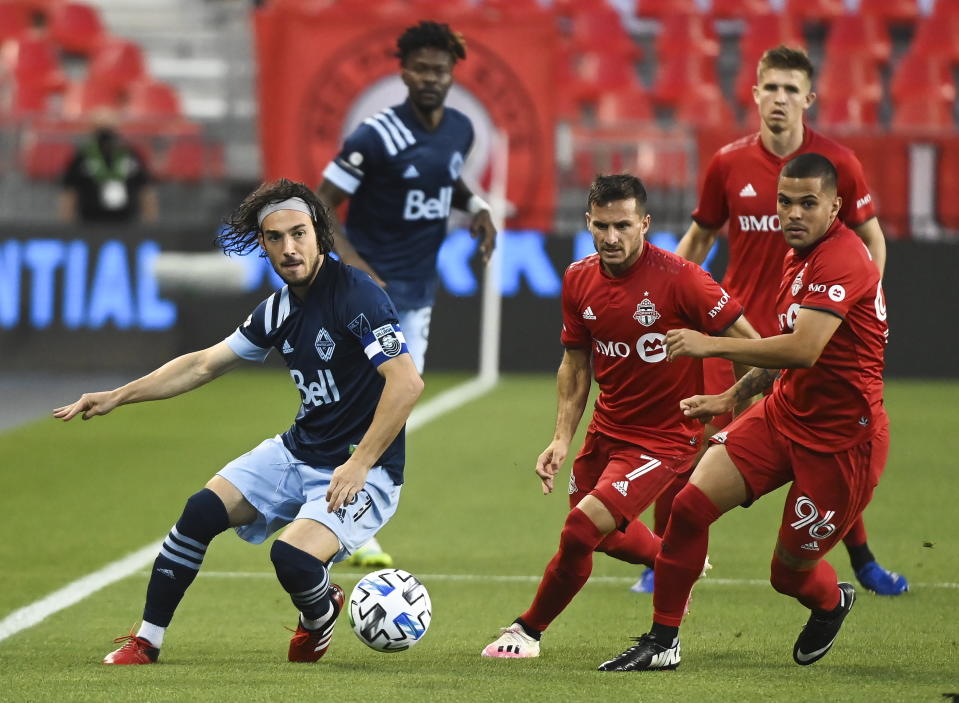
x=297, y=204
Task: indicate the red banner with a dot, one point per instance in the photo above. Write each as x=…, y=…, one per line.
x=317, y=68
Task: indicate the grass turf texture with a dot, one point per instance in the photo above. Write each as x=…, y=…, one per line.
x=78, y=496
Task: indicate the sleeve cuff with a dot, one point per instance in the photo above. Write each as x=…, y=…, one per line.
x=245, y=349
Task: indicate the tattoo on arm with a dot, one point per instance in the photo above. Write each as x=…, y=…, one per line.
x=756, y=381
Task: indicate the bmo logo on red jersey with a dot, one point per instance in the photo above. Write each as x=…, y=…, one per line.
x=766, y=223
x=787, y=320
x=651, y=348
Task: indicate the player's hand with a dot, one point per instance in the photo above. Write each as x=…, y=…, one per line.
x=686, y=343
x=483, y=229
x=705, y=407
x=347, y=480
x=90, y=404
x=549, y=462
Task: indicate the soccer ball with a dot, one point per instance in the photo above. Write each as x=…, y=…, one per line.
x=390, y=610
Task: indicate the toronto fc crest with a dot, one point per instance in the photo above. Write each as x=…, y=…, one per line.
x=646, y=313
x=797, y=283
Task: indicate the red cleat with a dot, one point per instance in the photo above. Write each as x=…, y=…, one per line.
x=310, y=645
x=136, y=651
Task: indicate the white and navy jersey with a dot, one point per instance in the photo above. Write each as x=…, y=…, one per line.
x=400, y=180
x=332, y=342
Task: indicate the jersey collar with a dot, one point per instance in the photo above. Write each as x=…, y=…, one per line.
x=807, y=137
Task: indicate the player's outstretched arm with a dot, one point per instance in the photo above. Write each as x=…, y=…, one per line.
x=333, y=197
x=706, y=407
x=403, y=387
x=177, y=376
x=572, y=390
x=871, y=235
x=801, y=349
x=696, y=243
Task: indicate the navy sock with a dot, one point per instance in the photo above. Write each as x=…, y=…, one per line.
x=203, y=518
x=305, y=578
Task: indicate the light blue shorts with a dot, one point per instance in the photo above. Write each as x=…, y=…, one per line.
x=283, y=489
x=416, y=329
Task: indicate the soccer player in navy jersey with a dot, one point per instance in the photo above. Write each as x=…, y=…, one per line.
x=330, y=481
x=400, y=170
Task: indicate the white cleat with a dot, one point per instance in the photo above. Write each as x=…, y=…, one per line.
x=512, y=644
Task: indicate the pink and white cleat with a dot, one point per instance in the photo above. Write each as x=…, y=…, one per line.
x=512, y=644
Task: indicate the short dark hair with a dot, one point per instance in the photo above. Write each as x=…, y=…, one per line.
x=812, y=165
x=240, y=232
x=786, y=58
x=431, y=34
x=620, y=186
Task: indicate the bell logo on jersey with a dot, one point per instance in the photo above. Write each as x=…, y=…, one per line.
x=766, y=223
x=419, y=207
x=323, y=391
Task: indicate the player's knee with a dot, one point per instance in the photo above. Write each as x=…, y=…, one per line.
x=579, y=534
x=294, y=566
x=205, y=515
x=691, y=509
x=787, y=575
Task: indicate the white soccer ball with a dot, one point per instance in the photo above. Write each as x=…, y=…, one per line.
x=390, y=610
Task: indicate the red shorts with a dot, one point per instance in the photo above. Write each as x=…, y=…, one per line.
x=828, y=492
x=718, y=375
x=624, y=477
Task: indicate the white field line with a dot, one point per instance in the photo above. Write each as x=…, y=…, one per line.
x=521, y=578
x=74, y=592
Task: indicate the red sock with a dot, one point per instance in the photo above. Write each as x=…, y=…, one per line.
x=856, y=535
x=816, y=589
x=638, y=545
x=566, y=572
x=683, y=553
x=663, y=505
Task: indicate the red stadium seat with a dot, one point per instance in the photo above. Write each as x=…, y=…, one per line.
x=765, y=32
x=596, y=72
x=815, y=10
x=661, y=9
x=76, y=27
x=81, y=97
x=890, y=11
x=44, y=156
x=858, y=35
x=147, y=99
x=187, y=159
x=704, y=106
x=14, y=20
x=856, y=76
x=938, y=36
x=840, y=110
x=35, y=67
x=680, y=34
x=619, y=106
x=117, y=62
x=602, y=30
x=945, y=8
x=921, y=76
x=920, y=113
x=680, y=74
x=739, y=9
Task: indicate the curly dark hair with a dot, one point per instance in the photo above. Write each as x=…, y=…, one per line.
x=432, y=34
x=241, y=231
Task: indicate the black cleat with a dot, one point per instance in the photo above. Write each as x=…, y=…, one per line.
x=646, y=655
x=817, y=637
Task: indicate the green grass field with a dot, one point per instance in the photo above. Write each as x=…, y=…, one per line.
x=474, y=526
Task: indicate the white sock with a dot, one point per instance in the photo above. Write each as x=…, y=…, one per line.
x=151, y=633
x=320, y=621
x=373, y=544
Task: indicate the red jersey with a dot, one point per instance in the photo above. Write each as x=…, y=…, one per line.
x=837, y=403
x=740, y=187
x=624, y=320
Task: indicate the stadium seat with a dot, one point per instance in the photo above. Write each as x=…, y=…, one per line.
x=938, y=36
x=506, y=8
x=704, y=106
x=680, y=74
x=34, y=64
x=597, y=72
x=185, y=160
x=80, y=97
x=841, y=110
x=661, y=9
x=890, y=11
x=815, y=10
x=856, y=76
x=765, y=32
x=602, y=30
x=858, y=35
x=117, y=62
x=619, y=106
x=917, y=112
x=76, y=27
x=149, y=99
x=681, y=34
x=14, y=20
x=44, y=156
x=921, y=76
x=738, y=9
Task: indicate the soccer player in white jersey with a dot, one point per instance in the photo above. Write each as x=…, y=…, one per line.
x=400, y=170
x=330, y=481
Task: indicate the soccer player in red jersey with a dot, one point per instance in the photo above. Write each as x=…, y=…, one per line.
x=618, y=305
x=823, y=429
x=740, y=190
